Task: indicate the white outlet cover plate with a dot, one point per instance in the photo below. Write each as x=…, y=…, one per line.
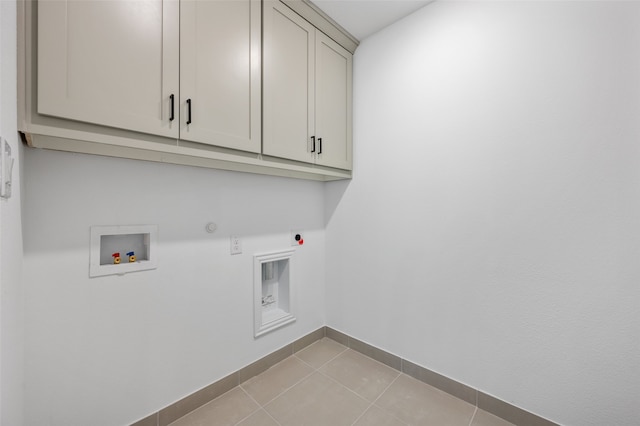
x=235, y=244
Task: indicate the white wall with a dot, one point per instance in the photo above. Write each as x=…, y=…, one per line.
x=110, y=350
x=495, y=194
x=491, y=230
x=11, y=301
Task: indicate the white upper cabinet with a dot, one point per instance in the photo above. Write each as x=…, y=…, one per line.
x=334, y=68
x=259, y=86
x=307, y=81
x=220, y=73
x=288, y=73
x=186, y=69
x=113, y=63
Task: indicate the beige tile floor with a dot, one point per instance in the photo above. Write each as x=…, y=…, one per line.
x=327, y=384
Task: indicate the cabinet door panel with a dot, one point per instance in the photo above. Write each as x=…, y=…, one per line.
x=220, y=72
x=288, y=75
x=113, y=63
x=333, y=102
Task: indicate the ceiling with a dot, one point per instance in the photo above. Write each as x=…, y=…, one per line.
x=364, y=17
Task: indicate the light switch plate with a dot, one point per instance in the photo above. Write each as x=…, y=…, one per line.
x=6, y=168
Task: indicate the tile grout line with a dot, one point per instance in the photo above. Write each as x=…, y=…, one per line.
x=284, y=391
x=473, y=416
x=347, y=348
x=348, y=345
x=156, y=417
x=315, y=370
x=376, y=361
x=371, y=404
x=325, y=363
x=350, y=390
x=403, y=361
x=272, y=418
x=199, y=407
x=260, y=407
x=254, y=411
x=318, y=369
x=383, y=392
x=334, y=380
x=476, y=392
x=362, y=414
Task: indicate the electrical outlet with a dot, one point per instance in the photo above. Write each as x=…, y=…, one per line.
x=297, y=238
x=236, y=245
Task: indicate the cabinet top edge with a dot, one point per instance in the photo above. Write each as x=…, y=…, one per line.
x=324, y=23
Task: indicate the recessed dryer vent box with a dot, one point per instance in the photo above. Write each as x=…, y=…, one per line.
x=117, y=250
x=273, y=299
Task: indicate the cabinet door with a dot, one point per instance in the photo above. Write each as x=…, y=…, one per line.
x=220, y=73
x=288, y=76
x=334, y=68
x=113, y=63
